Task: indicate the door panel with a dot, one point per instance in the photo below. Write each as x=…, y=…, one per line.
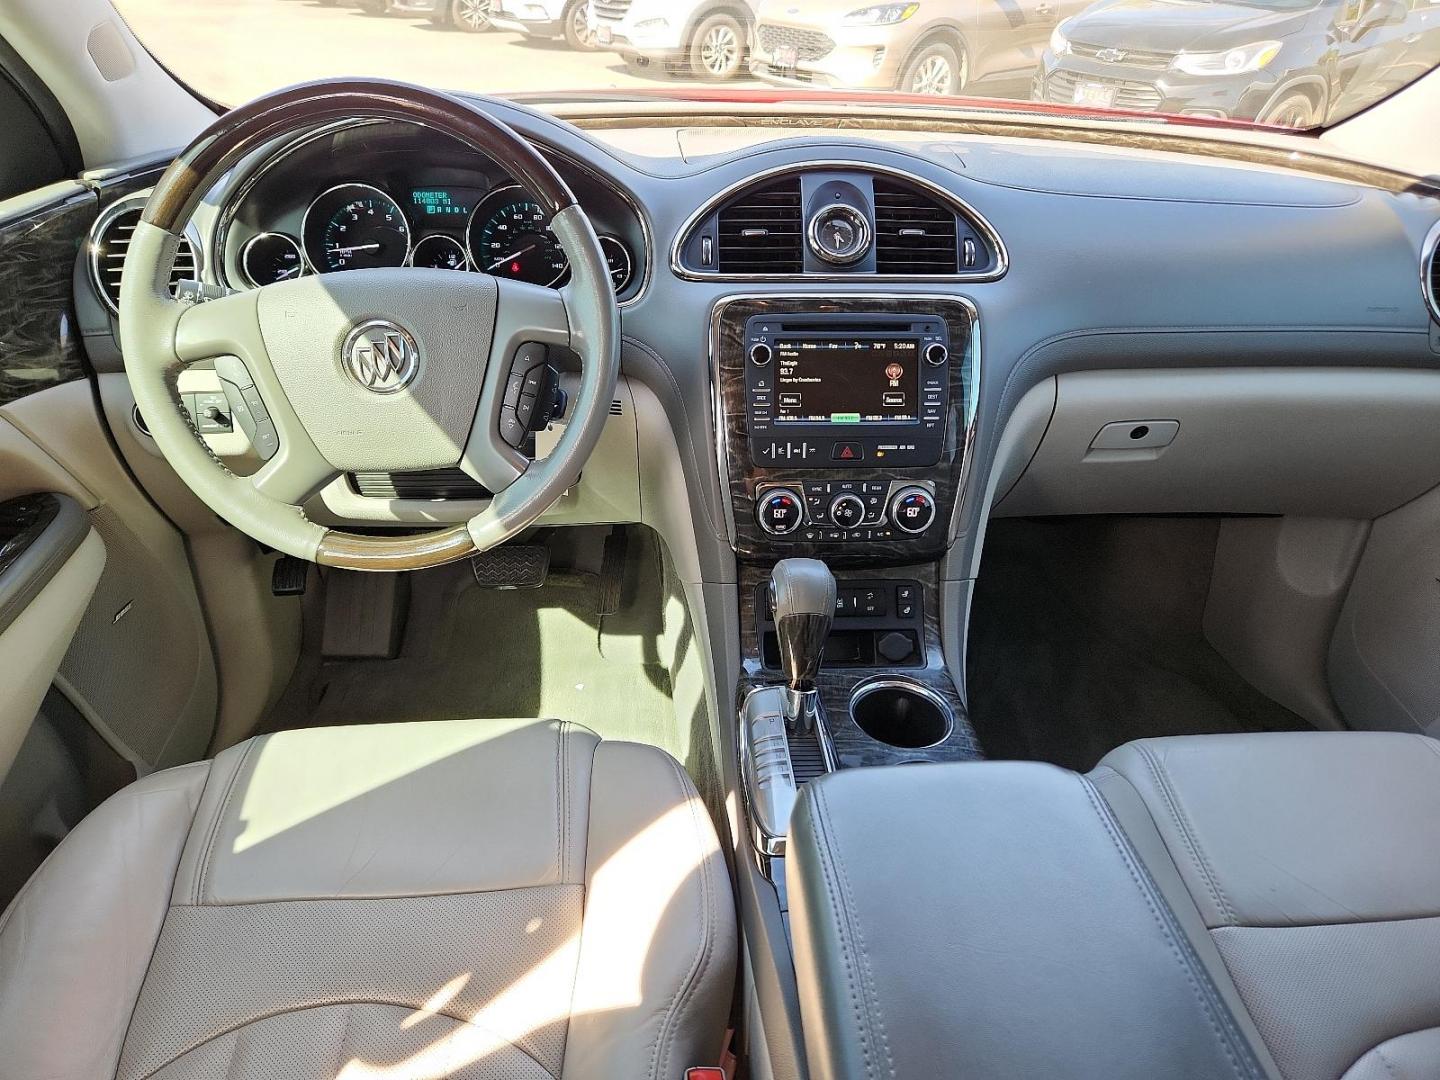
x=50, y=563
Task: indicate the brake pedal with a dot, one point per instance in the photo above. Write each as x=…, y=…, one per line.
x=511, y=566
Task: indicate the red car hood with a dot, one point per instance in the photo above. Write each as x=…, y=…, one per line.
x=778, y=95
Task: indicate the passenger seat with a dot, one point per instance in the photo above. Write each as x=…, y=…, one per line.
x=1237, y=906
x=1306, y=869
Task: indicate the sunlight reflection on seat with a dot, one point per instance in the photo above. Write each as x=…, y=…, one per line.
x=628, y=896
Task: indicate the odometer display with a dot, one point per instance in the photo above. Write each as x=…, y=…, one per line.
x=355, y=227
x=509, y=237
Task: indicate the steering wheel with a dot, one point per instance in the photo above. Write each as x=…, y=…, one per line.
x=383, y=370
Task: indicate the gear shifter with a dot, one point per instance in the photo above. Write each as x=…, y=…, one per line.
x=802, y=592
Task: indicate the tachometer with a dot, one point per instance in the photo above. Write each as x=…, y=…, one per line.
x=509, y=237
x=355, y=227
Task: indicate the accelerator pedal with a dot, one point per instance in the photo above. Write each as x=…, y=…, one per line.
x=511, y=566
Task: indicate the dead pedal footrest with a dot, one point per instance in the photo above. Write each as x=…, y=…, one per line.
x=511, y=566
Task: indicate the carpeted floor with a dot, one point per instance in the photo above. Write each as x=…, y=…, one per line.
x=1086, y=633
x=473, y=652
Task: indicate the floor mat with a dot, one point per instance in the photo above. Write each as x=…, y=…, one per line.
x=473, y=652
x=1086, y=633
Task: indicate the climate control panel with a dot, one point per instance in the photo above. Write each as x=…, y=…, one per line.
x=844, y=511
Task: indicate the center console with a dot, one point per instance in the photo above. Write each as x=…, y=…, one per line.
x=843, y=429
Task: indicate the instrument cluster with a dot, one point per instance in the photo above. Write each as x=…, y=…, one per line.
x=356, y=225
x=394, y=200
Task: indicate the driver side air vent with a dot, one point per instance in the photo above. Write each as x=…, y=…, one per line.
x=914, y=232
x=111, y=240
x=1430, y=273
x=760, y=232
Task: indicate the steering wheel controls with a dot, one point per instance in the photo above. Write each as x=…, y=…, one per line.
x=533, y=397
x=247, y=408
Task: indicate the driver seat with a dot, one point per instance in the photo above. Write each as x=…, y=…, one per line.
x=475, y=900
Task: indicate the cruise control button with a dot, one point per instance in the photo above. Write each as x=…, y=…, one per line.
x=254, y=403
x=266, y=441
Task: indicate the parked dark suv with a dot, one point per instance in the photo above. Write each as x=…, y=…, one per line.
x=1292, y=63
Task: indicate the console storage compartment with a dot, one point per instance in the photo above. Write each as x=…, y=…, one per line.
x=989, y=919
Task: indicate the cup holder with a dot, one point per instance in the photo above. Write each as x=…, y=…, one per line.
x=901, y=713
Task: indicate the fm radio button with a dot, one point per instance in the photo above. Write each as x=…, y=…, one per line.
x=912, y=510
x=936, y=354
x=847, y=510
x=760, y=354
x=779, y=512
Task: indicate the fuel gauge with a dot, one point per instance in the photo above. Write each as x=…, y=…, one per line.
x=439, y=252
x=270, y=257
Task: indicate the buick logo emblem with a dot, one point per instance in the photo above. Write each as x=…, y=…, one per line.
x=381, y=357
x=1110, y=56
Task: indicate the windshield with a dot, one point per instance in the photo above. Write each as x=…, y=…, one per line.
x=1283, y=63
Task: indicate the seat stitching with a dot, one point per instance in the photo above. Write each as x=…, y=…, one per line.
x=1192, y=843
x=874, y=1004
x=560, y=801
x=843, y=927
x=1225, y=1034
x=349, y=1004
x=701, y=963
x=562, y=822
x=1431, y=744
x=214, y=833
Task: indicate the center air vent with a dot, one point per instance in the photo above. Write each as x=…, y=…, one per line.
x=760, y=232
x=111, y=240
x=915, y=233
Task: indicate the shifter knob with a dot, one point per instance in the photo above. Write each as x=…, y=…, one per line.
x=803, y=594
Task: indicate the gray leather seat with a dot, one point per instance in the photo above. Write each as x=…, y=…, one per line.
x=1213, y=906
x=470, y=899
x=1305, y=869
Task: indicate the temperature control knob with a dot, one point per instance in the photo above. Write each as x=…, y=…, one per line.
x=779, y=511
x=912, y=510
x=847, y=510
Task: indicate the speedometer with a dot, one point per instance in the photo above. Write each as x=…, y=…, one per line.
x=355, y=227
x=509, y=236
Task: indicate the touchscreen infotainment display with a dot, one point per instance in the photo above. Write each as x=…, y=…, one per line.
x=863, y=380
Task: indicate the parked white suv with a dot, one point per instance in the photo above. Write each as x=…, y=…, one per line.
x=709, y=39
x=546, y=19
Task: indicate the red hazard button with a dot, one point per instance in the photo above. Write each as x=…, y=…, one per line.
x=847, y=451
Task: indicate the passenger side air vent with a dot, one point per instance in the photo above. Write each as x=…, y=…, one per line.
x=111, y=240
x=428, y=484
x=915, y=233
x=760, y=232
